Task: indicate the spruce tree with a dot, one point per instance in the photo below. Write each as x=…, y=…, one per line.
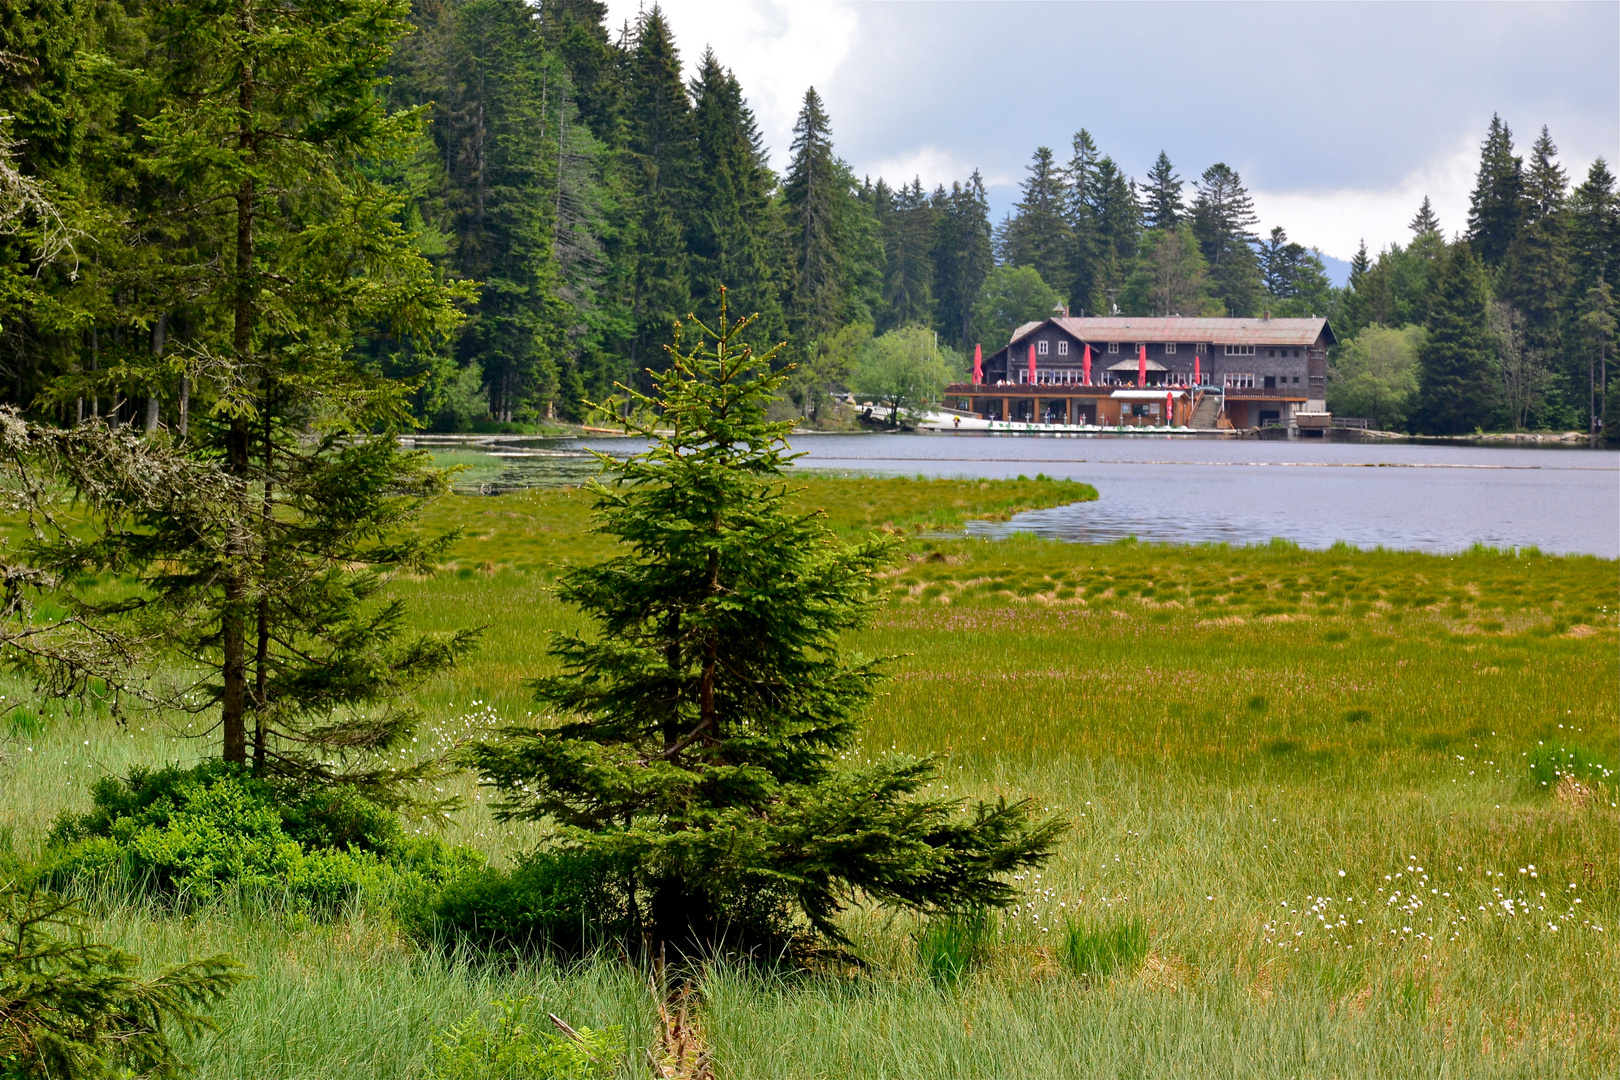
x=835, y=252
x=1038, y=235
x=274, y=607
x=962, y=257
x=661, y=153
x=1162, y=205
x=1494, y=207
x=1595, y=229
x=1169, y=277
x=693, y=761
x=1424, y=220
x=1223, y=215
x=908, y=244
x=1086, y=265
x=736, y=236
x=1457, y=375
x=1534, y=276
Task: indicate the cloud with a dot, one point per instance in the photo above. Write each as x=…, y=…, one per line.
x=776, y=49
x=933, y=164
x=1338, y=220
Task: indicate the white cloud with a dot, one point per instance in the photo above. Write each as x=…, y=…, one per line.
x=1337, y=221
x=777, y=50
x=934, y=164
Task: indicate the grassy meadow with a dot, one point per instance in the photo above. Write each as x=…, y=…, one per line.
x=1305, y=776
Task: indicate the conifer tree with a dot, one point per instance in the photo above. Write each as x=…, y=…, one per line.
x=696, y=749
x=737, y=238
x=1087, y=277
x=962, y=256
x=1494, y=207
x=1223, y=215
x=1534, y=276
x=908, y=244
x=836, y=254
x=1457, y=375
x=1170, y=278
x=269, y=111
x=1424, y=220
x=1162, y=205
x=1595, y=229
x=661, y=151
x=576, y=32
x=1038, y=234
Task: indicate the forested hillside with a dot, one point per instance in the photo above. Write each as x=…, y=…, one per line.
x=584, y=195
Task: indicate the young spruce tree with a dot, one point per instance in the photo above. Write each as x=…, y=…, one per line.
x=699, y=735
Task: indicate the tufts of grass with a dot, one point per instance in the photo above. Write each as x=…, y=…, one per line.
x=948, y=947
x=1096, y=950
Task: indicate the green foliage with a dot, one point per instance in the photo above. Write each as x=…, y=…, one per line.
x=567, y=902
x=1457, y=370
x=1222, y=217
x=74, y=1010
x=1170, y=277
x=949, y=946
x=1096, y=949
x=903, y=369
x=696, y=738
x=1010, y=297
x=1038, y=236
x=189, y=835
x=508, y=1049
x=1375, y=376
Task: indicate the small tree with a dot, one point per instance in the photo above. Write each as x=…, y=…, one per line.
x=71, y=1009
x=904, y=369
x=698, y=743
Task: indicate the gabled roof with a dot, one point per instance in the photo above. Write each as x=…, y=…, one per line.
x=1215, y=331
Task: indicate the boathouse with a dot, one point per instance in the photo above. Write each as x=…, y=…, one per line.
x=1127, y=371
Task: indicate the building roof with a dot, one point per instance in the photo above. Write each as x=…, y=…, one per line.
x=1134, y=362
x=1214, y=331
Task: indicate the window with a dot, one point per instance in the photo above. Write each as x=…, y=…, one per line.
x=1240, y=350
x=1271, y=352
x=1296, y=379
x=1200, y=349
x=1169, y=348
x=1040, y=348
x=1238, y=381
x=1140, y=345
x=1063, y=348
x=1113, y=346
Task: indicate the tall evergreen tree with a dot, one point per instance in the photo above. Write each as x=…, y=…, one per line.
x=1116, y=217
x=836, y=254
x=736, y=237
x=962, y=257
x=1038, y=234
x=661, y=151
x=1534, y=277
x=1169, y=276
x=1088, y=270
x=1162, y=205
x=1457, y=378
x=908, y=244
x=1223, y=215
x=1424, y=221
x=1595, y=229
x=1495, y=206
x=576, y=32
x=1295, y=280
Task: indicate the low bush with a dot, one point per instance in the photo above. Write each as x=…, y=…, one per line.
x=549, y=901
x=508, y=1049
x=190, y=835
x=950, y=946
x=1097, y=950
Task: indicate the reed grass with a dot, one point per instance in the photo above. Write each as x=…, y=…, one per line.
x=1304, y=776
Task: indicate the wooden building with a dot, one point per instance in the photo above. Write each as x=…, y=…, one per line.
x=1120, y=370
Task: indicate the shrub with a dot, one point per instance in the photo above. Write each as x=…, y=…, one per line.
x=193, y=834
x=551, y=900
x=950, y=946
x=1096, y=951
x=475, y=1049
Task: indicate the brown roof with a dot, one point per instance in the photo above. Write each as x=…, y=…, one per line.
x=1215, y=331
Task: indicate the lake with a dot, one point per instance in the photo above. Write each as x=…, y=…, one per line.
x=1423, y=497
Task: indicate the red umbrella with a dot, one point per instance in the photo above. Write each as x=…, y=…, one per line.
x=1141, y=366
x=978, y=364
x=1085, y=370
x=1032, y=362
x=1169, y=408
x=1197, y=377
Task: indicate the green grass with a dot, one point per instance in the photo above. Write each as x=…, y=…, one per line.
x=1269, y=757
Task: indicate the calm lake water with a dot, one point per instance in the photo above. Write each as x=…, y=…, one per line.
x=1415, y=497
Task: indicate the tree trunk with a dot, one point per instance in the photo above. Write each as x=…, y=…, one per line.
x=160, y=330
x=183, y=407
x=233, y=696
x=261, y=659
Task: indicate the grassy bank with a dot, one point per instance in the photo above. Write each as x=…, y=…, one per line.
x=1306, y=774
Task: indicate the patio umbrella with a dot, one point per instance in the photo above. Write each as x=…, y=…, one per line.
x=1141, y=366
x=978, y=364
x=1169, y=409
x=1197, y=377
x=1085, y=368
x=1032, y=363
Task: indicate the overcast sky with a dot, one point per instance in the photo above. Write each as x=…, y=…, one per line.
x=1339, y=117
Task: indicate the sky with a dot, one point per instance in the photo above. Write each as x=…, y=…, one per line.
x=1340, y=117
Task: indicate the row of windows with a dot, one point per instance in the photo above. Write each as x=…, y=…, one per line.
x=1246, y=381
x=1041, y=348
